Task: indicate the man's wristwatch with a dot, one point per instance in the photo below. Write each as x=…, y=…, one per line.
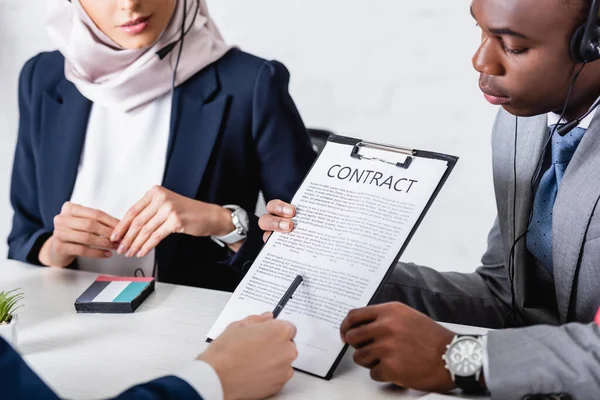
x=464, y=360
x=240, y=220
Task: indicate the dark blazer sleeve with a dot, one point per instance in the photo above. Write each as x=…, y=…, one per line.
x=18, y=381
x=283, y=147
x=28, y=234
x=167, y=388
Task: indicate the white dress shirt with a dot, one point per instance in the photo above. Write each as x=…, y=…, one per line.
x=124, y=156
x=203, y=378
x=585, y=123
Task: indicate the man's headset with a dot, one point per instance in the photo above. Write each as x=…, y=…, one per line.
x=584, y=48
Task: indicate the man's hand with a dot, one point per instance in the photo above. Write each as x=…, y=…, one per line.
x=399, y=345
x=278, y=219
x=78, y=231
x=253, y=357
x=162, y=212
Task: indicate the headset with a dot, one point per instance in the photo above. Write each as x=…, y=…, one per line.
x=584, y=49
x=585, y=41
x=162, y=54
x=165, y=51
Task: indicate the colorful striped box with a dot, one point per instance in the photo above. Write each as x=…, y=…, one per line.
x=114, y=295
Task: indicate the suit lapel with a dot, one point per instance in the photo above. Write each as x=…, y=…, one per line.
x=63, y=126
x=532, y=133
x=195, y=126
x=577, y=197
x=531, y=136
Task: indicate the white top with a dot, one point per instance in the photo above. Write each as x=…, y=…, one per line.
x=553, y=119
x=124, y=156
x=203, y=378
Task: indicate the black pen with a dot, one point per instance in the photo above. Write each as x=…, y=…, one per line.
x=287, y=296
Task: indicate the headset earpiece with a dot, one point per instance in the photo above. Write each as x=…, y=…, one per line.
x=585, y=43
x=576, y=44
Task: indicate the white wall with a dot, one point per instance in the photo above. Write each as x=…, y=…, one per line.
x=396, y=71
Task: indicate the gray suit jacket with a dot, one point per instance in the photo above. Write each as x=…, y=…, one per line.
x=556, y=348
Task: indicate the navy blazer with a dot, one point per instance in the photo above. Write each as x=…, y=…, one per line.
x=18, y=381
x=235, y=131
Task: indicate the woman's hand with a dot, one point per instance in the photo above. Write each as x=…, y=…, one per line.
x=162, y=212
x=278, y=219
x=78, y=231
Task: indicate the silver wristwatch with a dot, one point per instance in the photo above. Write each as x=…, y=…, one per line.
x=240, y=220
x=464, y=361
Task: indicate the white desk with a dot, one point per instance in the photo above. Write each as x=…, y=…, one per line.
x=92, y=356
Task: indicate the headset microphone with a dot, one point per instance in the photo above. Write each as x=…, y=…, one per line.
x=569, y=126
x=585, y=48
x=162, y=53
x=165, y=51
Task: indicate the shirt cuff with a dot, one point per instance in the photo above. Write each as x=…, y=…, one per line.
x=203, y=378
x=486, y=361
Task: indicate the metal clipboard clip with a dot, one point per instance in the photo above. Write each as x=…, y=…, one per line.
x=401, y=150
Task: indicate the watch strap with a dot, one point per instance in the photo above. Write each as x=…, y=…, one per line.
x=469, y=384
x=238, y=234
x=232, y=237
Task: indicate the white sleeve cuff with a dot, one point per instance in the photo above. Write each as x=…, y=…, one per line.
x=203, y=378
x=486, y=361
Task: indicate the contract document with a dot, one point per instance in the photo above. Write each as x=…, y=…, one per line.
x=357, y=209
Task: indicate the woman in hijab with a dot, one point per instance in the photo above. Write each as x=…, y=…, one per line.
x=144, y=142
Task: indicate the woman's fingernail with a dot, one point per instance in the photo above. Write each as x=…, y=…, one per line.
x=139, y=254
x=113, y=237
x=121, y=249
x=107, y=254
x=287, y=210
x=128, y=254
x=284, y=225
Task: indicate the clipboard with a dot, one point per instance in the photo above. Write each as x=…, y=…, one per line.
x=402, y=158
x=356, y=146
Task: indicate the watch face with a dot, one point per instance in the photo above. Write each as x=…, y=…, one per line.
x=465, y=357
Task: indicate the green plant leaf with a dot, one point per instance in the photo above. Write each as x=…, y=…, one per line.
x=9, y=303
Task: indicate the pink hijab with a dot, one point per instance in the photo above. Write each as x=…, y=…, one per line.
x=126, y=79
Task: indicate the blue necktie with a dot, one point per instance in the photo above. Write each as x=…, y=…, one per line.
x=539, y=235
